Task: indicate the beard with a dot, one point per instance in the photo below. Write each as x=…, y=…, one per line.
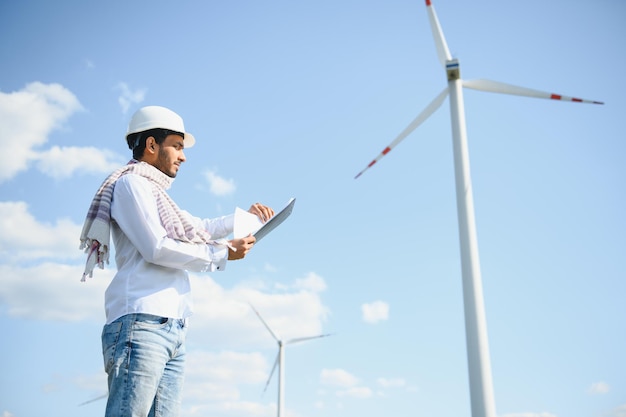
x=164, y=165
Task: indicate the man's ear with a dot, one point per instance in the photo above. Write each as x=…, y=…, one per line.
x=151, y=144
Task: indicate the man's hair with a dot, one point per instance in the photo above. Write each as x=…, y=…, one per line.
x=137, y=141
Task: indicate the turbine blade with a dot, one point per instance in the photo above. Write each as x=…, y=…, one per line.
x=272, y=373
x=303, y=339
x=264, y=323
x=502, y=88
x=93, y=400
x=440, y=41
x=425, y=114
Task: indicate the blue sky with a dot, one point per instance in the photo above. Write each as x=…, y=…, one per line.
x=293, y=99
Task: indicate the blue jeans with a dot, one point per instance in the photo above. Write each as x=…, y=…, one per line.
x=144, y=357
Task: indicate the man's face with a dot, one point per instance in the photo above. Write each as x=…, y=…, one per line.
x=170, y=155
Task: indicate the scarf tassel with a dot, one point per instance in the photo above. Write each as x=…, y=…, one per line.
x=97, y=254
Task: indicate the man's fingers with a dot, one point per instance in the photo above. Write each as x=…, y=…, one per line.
x=263, y=212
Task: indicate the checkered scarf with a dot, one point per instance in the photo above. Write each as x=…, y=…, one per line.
x=96, y=233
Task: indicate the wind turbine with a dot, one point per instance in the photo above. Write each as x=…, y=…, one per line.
x=280, y=361
x=479, y=366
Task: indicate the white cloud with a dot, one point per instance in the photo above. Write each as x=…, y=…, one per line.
x=214, y=376
x=599, y=388
x=529, y=414
x=95, y=382
x=47, y=290
x=33, y=287
x=356, y=392
x=348, y=384
x=61, y=162
x=338, y=378
x=312, y=282
x=391, y=382
x=224, y=316
x=28, y=116
x=619, y=411
x=26, y=119
x=129, y=97
x=375, y=312
x=52, y=291
x=23, y=237
x=213, y=383
x=218, y=185
x=230, y=408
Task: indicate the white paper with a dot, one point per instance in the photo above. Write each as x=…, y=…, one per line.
x=245, y=223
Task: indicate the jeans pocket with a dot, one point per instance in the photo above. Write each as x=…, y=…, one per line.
x=149, y=320
x=110, y=337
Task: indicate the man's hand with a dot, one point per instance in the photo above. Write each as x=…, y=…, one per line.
x=263, y=212
x=242, y=247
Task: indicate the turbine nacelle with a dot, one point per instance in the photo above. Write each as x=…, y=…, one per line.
x=453, y=70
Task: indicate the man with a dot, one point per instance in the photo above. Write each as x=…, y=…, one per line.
x=149, y=300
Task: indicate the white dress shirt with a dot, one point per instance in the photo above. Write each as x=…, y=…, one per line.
x=151, y=267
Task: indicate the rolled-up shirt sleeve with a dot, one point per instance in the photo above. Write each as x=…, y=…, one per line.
x=134, y=209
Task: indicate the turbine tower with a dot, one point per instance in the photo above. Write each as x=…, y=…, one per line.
x=479, y=366
x=280, y=362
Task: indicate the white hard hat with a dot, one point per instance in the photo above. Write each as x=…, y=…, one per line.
x=153, y=117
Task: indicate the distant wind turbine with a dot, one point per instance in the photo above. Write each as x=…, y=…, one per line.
x=280, y=362
x=480, y=380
